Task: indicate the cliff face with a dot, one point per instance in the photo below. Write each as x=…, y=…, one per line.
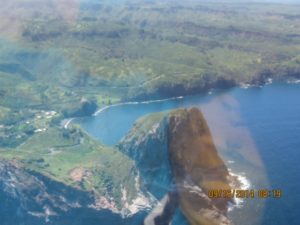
x=147, y=145
x=197, y=168
x=177, y=159
x=30, y=198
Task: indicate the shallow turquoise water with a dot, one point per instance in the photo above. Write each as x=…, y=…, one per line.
x=263, y=124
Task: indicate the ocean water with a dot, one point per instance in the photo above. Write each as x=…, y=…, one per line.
x=256, y=130
x=272, y=115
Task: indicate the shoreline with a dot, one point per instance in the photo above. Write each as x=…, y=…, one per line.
x=99, y=111
x=241, y=85
x=67, y=123
x=134, y=103
x=243, y=184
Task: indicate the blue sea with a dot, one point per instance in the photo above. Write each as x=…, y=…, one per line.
x=256, y=130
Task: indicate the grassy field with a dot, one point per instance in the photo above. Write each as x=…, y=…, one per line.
x=71, y=157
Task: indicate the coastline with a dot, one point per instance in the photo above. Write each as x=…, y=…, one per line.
x=243, y=184
x=67, y=123
x=241, y=85
x=135, y=103
x=99, y=111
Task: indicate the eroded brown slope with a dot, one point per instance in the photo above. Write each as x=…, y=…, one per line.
x=197, y=168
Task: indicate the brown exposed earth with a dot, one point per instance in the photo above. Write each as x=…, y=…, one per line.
x=197, y=168
x=78, y=174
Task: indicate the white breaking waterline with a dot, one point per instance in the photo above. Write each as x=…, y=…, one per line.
x=68, y=123
x=293, y=81
x=134, y=103
x=245, y=185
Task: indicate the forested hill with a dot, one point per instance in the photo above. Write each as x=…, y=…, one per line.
x=65, y=58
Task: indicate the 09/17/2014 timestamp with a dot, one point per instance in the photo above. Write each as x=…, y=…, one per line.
x=251, y=193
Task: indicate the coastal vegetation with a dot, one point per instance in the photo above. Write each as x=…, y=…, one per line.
x=73, y=158
x=102, y=53
x=65, y=59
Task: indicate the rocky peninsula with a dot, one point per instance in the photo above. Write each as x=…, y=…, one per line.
x=179, y=164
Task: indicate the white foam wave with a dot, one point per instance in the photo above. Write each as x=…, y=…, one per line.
x=294, y=81
x=68, y=123
x=244, y=85
x=134, y=103
x=245, y=184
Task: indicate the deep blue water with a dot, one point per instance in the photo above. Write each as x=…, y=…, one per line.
x=264, y=121
x=273, y=117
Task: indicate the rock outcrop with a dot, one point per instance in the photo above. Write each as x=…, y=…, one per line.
x=147, y=145
x=29, y=198
x=197, y=168
x=177, y=159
